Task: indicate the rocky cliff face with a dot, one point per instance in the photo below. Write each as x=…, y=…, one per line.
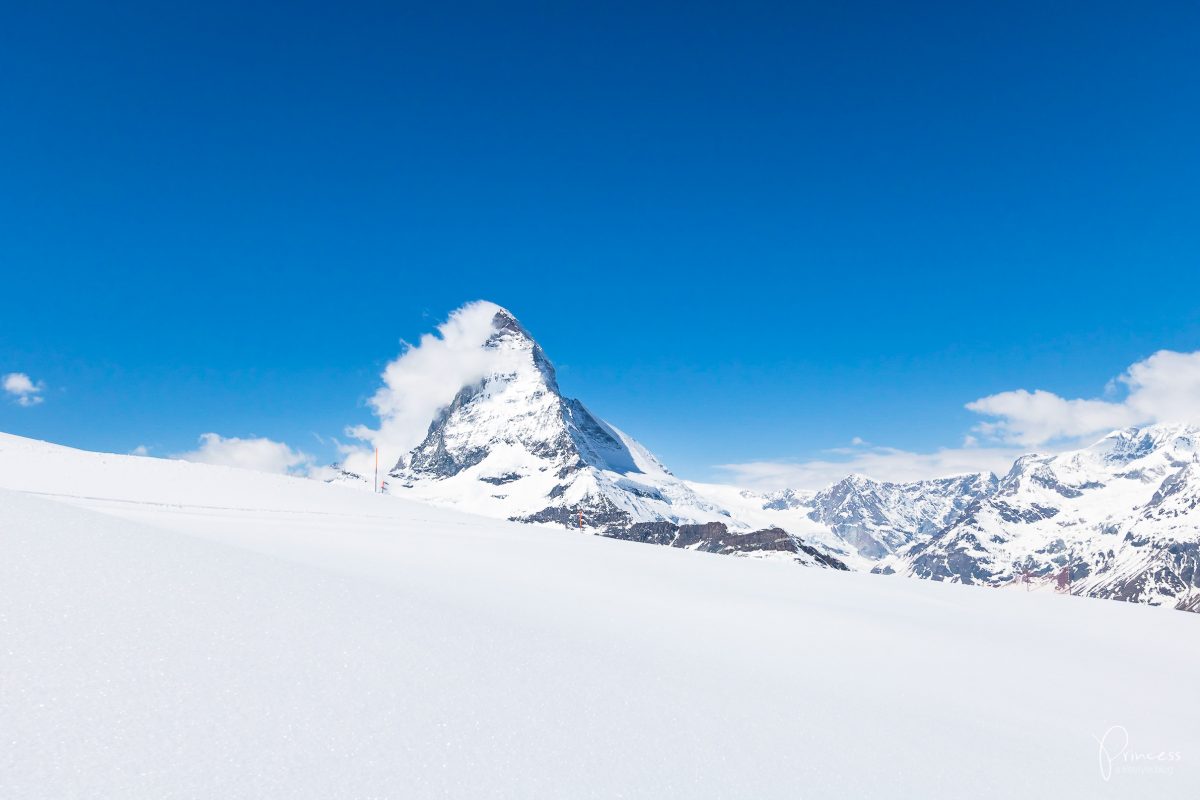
x=715, y=537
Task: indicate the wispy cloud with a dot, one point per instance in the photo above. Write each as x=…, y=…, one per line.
x=423, y=379
x=23, y=390
x=419, y=382
x=881, y=463
x=1163, y=388
x=263, y=455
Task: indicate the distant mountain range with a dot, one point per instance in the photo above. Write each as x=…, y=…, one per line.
x=1119, y=516
x=1117, y=519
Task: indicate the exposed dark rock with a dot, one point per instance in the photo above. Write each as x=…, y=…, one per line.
x=715, y=537
x=1052, y=483
x=1033, y=513
x=661, y=533
x=499, y=480
x=596, y=513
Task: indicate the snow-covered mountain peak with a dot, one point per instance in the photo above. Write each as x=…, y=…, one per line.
x=511, y=445
x=516, y=404
x=856, y=481
x=508, y=332
x=1124, y=506
x=518, y=349
x=1144, y=455
x=507, y=326
x=1172, y=442
x=878, y=517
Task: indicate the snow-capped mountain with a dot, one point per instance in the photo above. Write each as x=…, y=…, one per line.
x=878, y=518
x=512, y=446
x=858, y=520
x=1124, y=512
x=1119, y=515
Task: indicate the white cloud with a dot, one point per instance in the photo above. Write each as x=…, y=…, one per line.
x=422, y=380
x=880, y=463
x=259, y=454
x=1163, y=388
x=140, y=450
x=25, y=392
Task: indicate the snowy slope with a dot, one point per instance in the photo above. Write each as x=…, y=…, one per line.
x=1124, y=511
x=183, y=630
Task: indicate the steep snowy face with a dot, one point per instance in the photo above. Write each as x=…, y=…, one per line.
x=1120, y=514
x=518, y=405
x=512, y=446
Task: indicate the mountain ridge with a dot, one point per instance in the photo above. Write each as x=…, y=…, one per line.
x=1112, y=518
x=512, y=446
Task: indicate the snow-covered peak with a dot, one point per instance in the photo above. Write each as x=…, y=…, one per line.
x=510, y=337
x=1143, y=454
x=879, y=517
x=507, y=325
x=1177, y=442
x=1123, y=506
x=511, y=445
x=515, y=416
x=506, y=328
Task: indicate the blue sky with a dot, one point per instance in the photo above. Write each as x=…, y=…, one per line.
x=743, y=234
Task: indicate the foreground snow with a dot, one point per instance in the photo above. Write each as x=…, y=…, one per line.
x=181, y=630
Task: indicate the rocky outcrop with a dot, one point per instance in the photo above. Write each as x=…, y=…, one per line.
x=715, y=537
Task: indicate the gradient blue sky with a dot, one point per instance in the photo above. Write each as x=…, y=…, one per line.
x=743, y=232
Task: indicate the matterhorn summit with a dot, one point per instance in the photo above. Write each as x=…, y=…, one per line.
x=511, y=445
